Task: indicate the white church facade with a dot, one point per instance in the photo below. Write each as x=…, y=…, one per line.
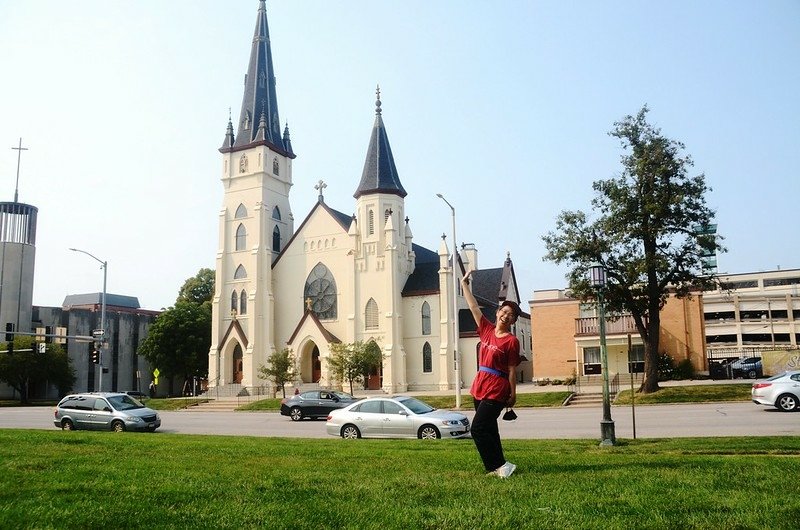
x=335, y=277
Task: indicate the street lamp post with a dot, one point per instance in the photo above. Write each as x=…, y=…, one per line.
x=597, y=278
x=104, y=265
x=456, y=353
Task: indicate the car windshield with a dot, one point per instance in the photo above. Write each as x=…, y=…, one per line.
x=416, y=406
x=342, y=395
x=779, y=376
x=125, y=402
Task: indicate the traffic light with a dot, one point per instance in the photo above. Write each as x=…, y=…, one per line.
x=96, y=353
x=10, y=337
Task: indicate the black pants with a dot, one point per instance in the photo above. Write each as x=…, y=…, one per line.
x=486, y=434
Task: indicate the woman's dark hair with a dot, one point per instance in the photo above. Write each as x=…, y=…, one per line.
x=514, y=307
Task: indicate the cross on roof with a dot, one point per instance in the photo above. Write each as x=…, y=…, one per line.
x=320, y=186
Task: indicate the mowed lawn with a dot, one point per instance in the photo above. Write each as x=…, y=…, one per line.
x=55, y=479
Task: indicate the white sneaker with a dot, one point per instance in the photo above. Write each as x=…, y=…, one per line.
x=505, y=470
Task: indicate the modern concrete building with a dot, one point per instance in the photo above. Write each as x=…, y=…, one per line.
x=755, y=313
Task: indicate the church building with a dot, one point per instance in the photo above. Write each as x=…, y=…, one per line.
x=336, y=277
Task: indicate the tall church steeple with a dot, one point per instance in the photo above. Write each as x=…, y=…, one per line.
x=380, y=174
x=259, y=123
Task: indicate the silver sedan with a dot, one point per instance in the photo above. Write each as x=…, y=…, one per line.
x=396, y=417
x=781, y=391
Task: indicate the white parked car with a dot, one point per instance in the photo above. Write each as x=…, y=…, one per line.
x=396, y=417
x=781, y=391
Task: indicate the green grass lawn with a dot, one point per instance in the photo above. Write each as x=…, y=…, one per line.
x=689, y=394
x=107, y=480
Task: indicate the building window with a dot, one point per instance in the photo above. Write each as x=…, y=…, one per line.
x=243, y=303
x=241, y=237
x=591, y=361
x=371, y=315
x=275, y=166
x=636, y=361
x=241, y=211
x=234, y=301
x=427, y=359
x=276, y=213
x=371, y=223
x=426, y=318
x=276, y=239
x=240, y=273
x=320, y=292
x=386, y=215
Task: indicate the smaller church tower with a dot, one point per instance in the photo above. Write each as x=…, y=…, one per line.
x=384, y=259
x=255, y=222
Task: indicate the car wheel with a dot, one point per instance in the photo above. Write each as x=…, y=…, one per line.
x=428, y=432
x=786, y=402
x=296, y=414
x=117, y=426
x=67, y=425
x=350, y=432
x=752, y=374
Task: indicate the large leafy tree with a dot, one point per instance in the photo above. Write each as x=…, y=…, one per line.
x=198, y=288
x=281, y=369
x=650, y=232
x=178, y=341
x=25, y=368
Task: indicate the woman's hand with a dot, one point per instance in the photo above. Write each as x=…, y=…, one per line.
x=512, y=400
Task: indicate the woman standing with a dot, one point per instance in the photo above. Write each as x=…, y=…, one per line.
x=495, y=385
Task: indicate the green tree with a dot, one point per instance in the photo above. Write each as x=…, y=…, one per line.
x=649, y=233
x=199, y=288
x=280, y=370
x=26, y=368
x=353, y=362
x=178, y=341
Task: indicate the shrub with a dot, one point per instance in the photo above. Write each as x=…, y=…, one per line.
x=666, y=367
x=683, y=370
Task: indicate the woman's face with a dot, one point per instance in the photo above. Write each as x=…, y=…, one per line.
x=506, y=316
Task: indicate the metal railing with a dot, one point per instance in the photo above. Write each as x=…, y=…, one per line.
x=591, y=325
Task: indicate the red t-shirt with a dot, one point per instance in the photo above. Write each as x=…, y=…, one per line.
x=498, y=354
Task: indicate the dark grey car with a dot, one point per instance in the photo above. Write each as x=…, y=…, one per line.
x=314, y=404
x=114, y=411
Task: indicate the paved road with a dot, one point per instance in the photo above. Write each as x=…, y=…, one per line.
x=653, y=421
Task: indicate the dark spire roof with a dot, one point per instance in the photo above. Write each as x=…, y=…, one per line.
x=380, y=173
x=258, y=120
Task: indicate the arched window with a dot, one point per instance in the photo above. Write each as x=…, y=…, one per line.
x=240, y=273
x=276, y=239
x=247, y=120
x=371, y=223
x=275, y=166
x=320, y=289
x=243, y=303
x=386, y=215
x=426, y=318
x=234, y=301
x=241, y=237
x=276, y=213
x=371, y=315
x=427, y=359
x=241, y=211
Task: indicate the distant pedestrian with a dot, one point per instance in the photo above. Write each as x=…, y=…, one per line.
x=152, y=389
x=495, y=385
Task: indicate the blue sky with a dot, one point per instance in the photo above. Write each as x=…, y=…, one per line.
x=503, y=107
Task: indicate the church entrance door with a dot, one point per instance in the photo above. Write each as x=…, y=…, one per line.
x=238, y=369
x=316, y=366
